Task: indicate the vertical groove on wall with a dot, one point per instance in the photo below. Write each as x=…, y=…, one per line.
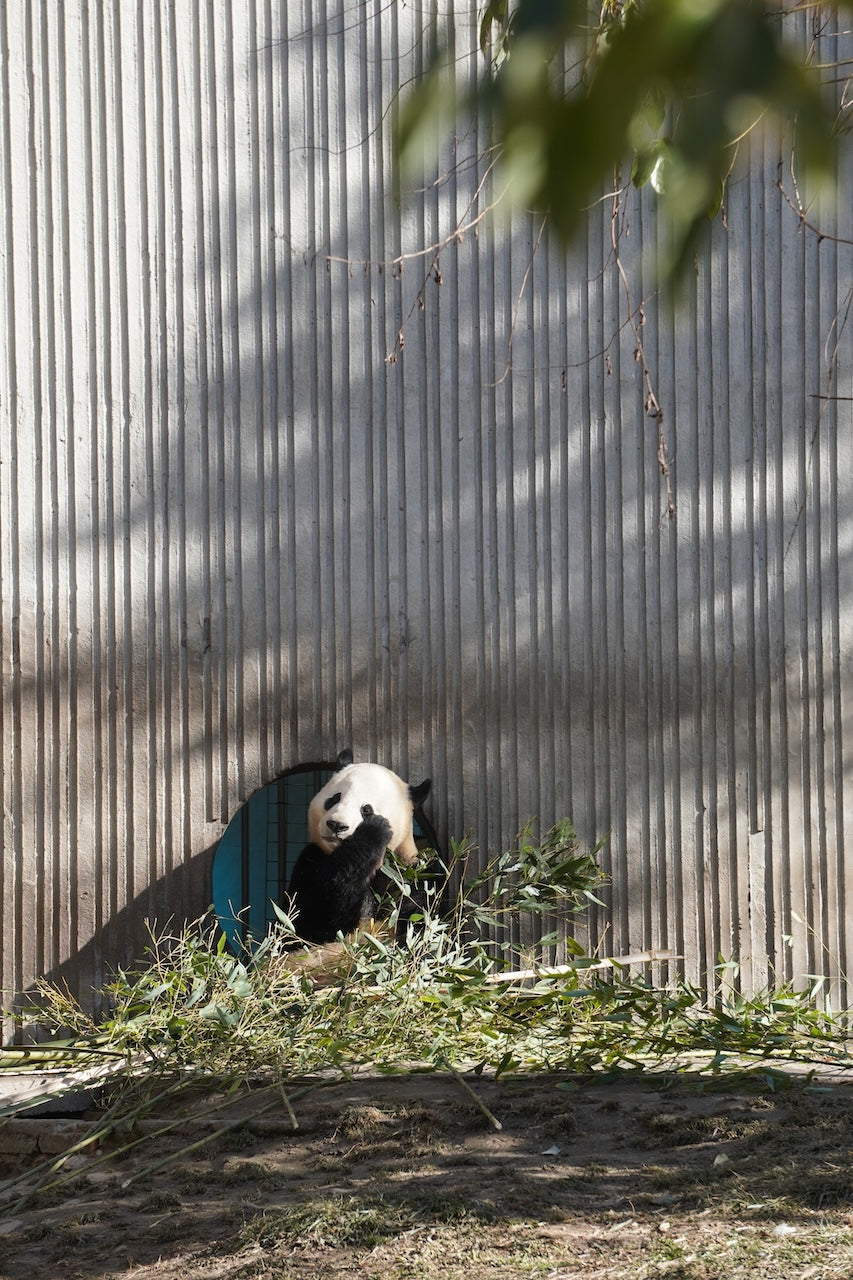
x=10, y=705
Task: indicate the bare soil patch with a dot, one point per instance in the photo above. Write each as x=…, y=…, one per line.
x=629, y=1177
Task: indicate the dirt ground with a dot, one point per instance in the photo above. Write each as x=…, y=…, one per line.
x=630, y=1177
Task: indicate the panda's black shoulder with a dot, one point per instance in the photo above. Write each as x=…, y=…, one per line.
x=312, y=864
x=312, y=853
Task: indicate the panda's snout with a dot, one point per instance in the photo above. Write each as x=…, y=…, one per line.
x=335, y=827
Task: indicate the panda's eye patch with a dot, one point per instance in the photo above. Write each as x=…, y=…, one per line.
x=332, y=801
x=367, y=811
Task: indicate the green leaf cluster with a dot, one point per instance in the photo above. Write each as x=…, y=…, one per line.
x=447, y=995
x=664, y=89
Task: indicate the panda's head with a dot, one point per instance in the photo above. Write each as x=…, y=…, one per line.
x=356, y=790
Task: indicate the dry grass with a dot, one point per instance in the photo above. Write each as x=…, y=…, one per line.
x=627, y=1177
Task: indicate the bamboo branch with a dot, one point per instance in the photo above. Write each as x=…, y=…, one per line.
x=563, y=970
x=478, y=1102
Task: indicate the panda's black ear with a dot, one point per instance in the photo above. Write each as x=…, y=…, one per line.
x=344, y=758
x=420, y=792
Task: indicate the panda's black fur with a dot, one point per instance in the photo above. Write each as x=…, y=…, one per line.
x=332, y=892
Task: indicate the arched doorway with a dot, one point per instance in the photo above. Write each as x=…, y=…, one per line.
x=254, y=858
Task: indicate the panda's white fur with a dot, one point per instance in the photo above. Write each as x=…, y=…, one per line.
x=337, y=808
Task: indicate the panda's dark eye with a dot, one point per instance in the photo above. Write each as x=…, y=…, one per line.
x=367, y=811
x=332, y=801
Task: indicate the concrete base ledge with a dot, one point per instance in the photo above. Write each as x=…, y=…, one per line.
x=42, y=1137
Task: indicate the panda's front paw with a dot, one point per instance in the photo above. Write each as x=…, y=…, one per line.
x=377, y=828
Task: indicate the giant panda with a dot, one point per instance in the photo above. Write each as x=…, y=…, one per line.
x=361, y=812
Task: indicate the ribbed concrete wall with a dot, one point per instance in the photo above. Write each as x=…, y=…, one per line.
x=237, y=536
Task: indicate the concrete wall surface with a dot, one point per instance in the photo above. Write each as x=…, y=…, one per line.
x=286, y=467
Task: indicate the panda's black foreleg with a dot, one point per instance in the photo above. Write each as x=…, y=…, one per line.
x=358, y=857
x=331, y=891
x=354, y=864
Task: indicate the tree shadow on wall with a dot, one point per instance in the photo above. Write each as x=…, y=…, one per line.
x=169, y=903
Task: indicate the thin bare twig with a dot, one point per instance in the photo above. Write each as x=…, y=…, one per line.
x=796, y=207
x=517, y=307
x=636, y=317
